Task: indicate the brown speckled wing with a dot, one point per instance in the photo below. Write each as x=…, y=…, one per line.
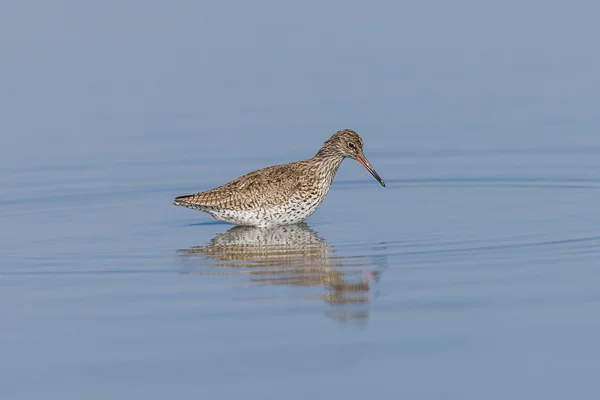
x=265, y=187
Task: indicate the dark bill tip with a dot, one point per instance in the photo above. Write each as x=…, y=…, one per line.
x=365, y=163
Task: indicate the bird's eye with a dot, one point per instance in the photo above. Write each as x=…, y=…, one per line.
x=351, y=145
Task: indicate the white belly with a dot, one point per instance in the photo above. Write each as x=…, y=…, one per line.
x=285, y=214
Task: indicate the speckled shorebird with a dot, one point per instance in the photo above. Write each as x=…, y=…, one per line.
x=281, y=194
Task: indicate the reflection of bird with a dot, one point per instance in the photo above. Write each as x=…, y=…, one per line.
x=244, y=246
x=281, y=194
x=291, y=255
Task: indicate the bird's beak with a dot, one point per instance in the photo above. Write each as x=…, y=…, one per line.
x=365, y=163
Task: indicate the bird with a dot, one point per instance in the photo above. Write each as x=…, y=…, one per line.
x=283, y=194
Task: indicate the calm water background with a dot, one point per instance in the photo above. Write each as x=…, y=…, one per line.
x=473, y=275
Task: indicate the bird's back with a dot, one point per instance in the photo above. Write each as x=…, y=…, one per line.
x=263, y=188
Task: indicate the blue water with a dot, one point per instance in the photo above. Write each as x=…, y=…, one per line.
x=474, y=274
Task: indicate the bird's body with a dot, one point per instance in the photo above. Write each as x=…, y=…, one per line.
x=280, y=194
x=276, y=195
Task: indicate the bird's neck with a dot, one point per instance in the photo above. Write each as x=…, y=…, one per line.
x=329, y=153
x=330, y=159
x=328, y=162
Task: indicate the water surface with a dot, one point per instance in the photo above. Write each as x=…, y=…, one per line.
x=472, y=275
